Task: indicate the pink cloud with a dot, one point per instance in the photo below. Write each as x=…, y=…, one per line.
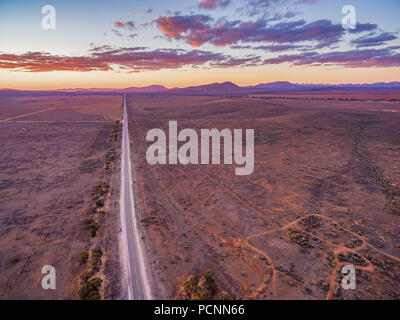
x=199, y=29
x=134, y=59
x=379, y=58
x=128, y=24
x=213, y=4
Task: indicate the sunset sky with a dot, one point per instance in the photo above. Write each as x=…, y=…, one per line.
x=121, y=43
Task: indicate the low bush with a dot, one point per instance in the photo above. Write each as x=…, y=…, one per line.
x=97, y=253
x=85, y=276
x=90, y=290
x=83, y=257
x=99, y=203
x=395, y=206
x=92, y=225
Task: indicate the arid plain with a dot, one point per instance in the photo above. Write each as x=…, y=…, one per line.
x=324, y=193
x=53, y=151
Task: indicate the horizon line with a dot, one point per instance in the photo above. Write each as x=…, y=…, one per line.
x=205, y=84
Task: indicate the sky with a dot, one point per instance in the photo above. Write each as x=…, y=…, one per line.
x=120, y=43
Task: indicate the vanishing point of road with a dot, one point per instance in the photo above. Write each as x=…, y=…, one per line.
x=135, y=284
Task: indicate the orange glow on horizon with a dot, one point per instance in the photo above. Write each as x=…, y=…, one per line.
x=171, y=78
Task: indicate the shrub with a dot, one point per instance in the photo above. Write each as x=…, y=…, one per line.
x=300, y=238
x=203, y=288
x=96, y=263
x=15, y=260
x=97, y=253
x=110, y=156
x=395, y=206
x=99, y=203
x=187, y=287
x=194, y=281
x=223, y=296
x=90, y=289
x=100, y=189
x=210, y=284
x=86, y=276
x=83, y=257
x=92, y=225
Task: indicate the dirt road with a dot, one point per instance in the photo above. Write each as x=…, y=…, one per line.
x=136, y=281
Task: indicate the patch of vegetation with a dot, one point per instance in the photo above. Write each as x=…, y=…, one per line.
x=191, y=285
x=301, y=238
x=97, y=253
x=323, y=285
x=331, y=258
x=83, y=257
x=223, y=295
x=392, y=192
x=90, y=289
x=15, y=260
x=99, y=203
x=92, y=225
x=115, y=131
x=376, y=173
x=375, y=261
x=90, y=165
x=204, y=288
x=110, y=155
x=353, y=258
x=341, y=257
x=100, y=189
x=394, y=205
x=209, y=283
x=354, y=243
x=85, y=276
x=150, y=220
x=289, y=273
x=311, y=221
x=109, y=158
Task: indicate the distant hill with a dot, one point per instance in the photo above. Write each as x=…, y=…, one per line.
x=229, y=88
x=377, y=85
x=284, y=85
x=278, y=85
x=148, y=89
x=224, y=88
x=210, y=89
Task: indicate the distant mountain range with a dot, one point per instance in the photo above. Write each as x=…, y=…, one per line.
x=284, y=85
x=229, y=88
x=148, y=89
